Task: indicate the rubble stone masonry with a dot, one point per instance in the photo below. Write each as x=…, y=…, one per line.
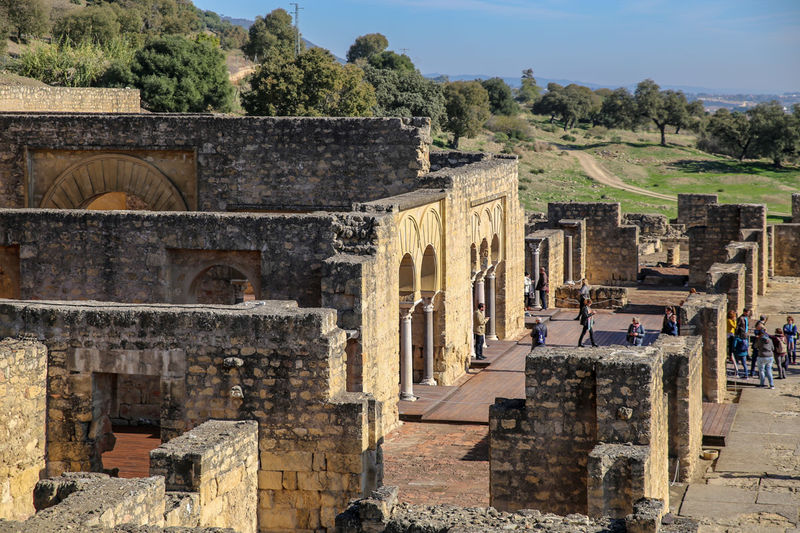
x=270, y=362
x=68, y=99
x=23, y=382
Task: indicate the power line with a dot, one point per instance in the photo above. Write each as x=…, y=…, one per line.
x=297, y=9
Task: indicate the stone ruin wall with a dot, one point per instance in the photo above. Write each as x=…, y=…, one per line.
x=23, y=373
x=22, y=99
x=728, y=279
x=251, y=163
x=705, y=315
x=611, y=253
x=546, y=451
x=787, y=245
x=382, y=513
x=692, y=208
x=796, y=207
x=214, y=470
x=202, y=481
x=317, y=443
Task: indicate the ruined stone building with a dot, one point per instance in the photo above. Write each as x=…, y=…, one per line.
x=360, y=254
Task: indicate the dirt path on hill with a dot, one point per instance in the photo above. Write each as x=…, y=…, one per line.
x=600, y=175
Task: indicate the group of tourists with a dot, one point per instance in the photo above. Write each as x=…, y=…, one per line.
x=764, y=349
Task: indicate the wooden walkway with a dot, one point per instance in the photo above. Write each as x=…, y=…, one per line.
x=717, y=422
x=131, y=453
x=502, y=375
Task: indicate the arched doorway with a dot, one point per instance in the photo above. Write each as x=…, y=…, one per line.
x=221, y=284
x=95, y=176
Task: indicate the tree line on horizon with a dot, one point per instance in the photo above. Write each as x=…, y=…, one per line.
x=173, y=53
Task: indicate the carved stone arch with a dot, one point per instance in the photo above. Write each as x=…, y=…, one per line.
x=476, y=229
x=497, y=230
x=97, y=175
x=486, y=224
x=409, y=236
x=431, y=239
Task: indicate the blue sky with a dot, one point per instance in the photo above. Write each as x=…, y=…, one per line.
x=726, y=44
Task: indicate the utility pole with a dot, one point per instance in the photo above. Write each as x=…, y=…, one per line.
x=297, y=9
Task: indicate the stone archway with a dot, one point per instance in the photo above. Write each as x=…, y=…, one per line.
x=97, y=175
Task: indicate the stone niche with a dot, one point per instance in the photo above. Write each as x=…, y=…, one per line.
x=160, y=179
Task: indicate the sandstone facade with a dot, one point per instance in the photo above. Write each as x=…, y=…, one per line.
x=23, y=373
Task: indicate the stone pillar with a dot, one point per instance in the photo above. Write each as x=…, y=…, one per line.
x=406, y=360
x=568, y=270
x=480, y=291
x=491, y=307
x=674, y=254
x=427, y=377
x=536, y=303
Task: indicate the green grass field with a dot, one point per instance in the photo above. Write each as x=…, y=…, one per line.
x=637, y=158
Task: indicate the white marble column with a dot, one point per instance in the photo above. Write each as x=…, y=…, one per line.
x=427, y=377
x=491, y=306
x=536, y=303
x=406, y=359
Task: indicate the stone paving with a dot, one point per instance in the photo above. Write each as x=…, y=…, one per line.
x=755, y=483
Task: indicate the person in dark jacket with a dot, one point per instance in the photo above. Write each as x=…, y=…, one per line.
x=635, y=335
x=672, y=325
x=790, y=332
x=765, y=357
x=583, y=295
x=538, y=334
x=665, y=322
x=779, y=345
x=543, y=287
x=587, y=321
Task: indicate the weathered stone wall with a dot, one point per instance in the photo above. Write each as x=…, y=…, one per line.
x=683, y=385
x=725, y=223
x=787, y=245
x=649, y=225
x=252, y=163
x=23, y=372
x=268, y=361
x=796, y=207
x=381, y=513
x=218, y=460
x=747, y=254
x=602, y=297
x=611, y=249
x=540, y=447
x=692, y=208
x=79, y=501
x=17, y=98
x=707, y=313
x=155, y=257
x=728, y=279
x=453, y=158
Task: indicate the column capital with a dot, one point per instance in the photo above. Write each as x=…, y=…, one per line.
x=491, y=275
x=428, y=308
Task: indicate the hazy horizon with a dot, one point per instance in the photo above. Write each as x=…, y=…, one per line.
x=735, y=44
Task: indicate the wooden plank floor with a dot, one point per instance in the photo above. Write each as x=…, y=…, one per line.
x=131, y=453
x=503, y=373
x=717, y=421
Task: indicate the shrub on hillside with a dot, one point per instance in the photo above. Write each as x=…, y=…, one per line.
x=569, y=138
x=513, y=127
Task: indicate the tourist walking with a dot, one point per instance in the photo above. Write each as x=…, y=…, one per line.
x=765, y=357
x=583, y=295
x=740, y=350
x=758, y=329
x=587, y=321
x=479, y=331
x=527, y=294
x=731, y=331
x=790, y=332
x=635, y=335
x=779, y=346
x=543, y=287
x=539, y=333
